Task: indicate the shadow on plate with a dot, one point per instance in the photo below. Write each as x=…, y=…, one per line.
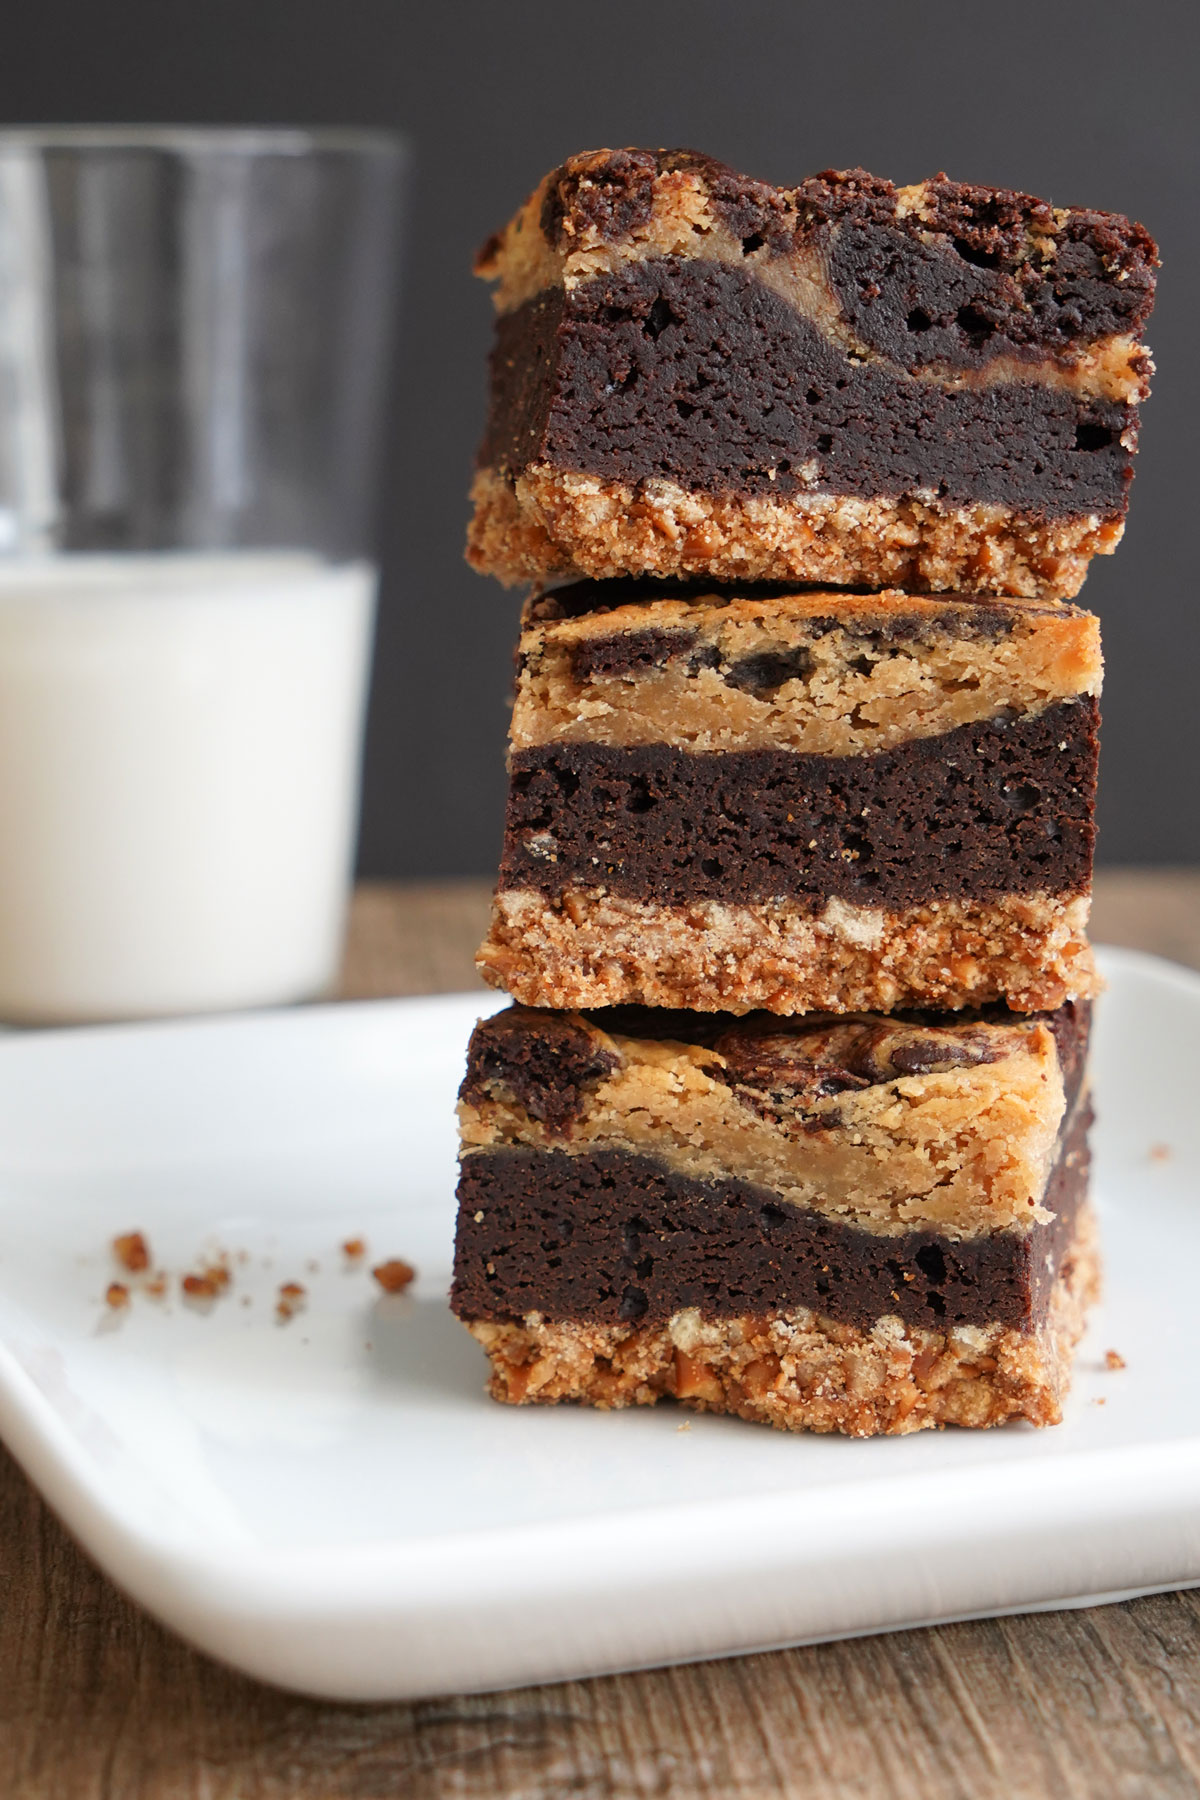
x=418, y=1344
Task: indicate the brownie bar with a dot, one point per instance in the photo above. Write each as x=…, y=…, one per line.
x=651, y=1204
x=934, y=387
x=798, y=801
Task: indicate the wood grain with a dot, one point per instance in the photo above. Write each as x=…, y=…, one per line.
x=98, y=1703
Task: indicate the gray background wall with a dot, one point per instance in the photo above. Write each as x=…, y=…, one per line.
x=1091, y=104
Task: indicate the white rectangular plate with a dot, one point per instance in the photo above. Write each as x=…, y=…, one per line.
x=332, y=1504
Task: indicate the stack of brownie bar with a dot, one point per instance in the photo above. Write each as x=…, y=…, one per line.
x=790, y=1116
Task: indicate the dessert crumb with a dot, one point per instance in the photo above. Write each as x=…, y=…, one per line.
x=395, y=1275
x=156, y=1286
x=1099, y=1400
x=116, y=1295
x=355, y=1249
x=1113, y=1359
x=1160, y=1153
x=292, y=1297
x=686, y=1426
x=199, y=1288
x=132, y=1252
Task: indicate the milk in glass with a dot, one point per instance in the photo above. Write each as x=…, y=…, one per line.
x=179, y=755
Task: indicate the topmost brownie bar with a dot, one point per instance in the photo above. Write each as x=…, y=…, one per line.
x=697, y=374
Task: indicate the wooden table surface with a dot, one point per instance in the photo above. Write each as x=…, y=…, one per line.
x=98, y=1703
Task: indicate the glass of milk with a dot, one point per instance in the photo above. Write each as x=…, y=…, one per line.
x=193, y=327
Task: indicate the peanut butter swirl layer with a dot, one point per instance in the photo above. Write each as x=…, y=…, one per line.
x=863, y=1224
x=797, y=800
x=933, y=387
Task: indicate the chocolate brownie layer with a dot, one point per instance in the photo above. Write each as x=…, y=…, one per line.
x=989, y=809
x=698, y=374
x=613, y=1238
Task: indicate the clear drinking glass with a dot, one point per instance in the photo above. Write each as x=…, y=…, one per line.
x=193, y=326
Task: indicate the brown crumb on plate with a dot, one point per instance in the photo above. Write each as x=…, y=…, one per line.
x=355, y=1249
x=199, y=1288
x=116, y=1295
x=1113, y=1359
x=1160, y=1153
x=395, y=1275
x=132, y=1252
x=292, y=1297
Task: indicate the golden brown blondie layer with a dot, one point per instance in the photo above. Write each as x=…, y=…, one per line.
x=823, y=673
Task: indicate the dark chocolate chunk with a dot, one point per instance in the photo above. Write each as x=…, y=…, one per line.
x=610, y=1237
x=763, y=673
x=991, y=808
x=545, y=1060
x=778, y=1072
x=629, y=652
x=611, y=194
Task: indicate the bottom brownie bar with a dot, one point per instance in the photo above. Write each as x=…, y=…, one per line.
x=867, y=1225
x=802, y=1371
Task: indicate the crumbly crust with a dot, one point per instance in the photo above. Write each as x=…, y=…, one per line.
x=803, y=1372
x=827, y=674
x=590, y=948
x=550, y=524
